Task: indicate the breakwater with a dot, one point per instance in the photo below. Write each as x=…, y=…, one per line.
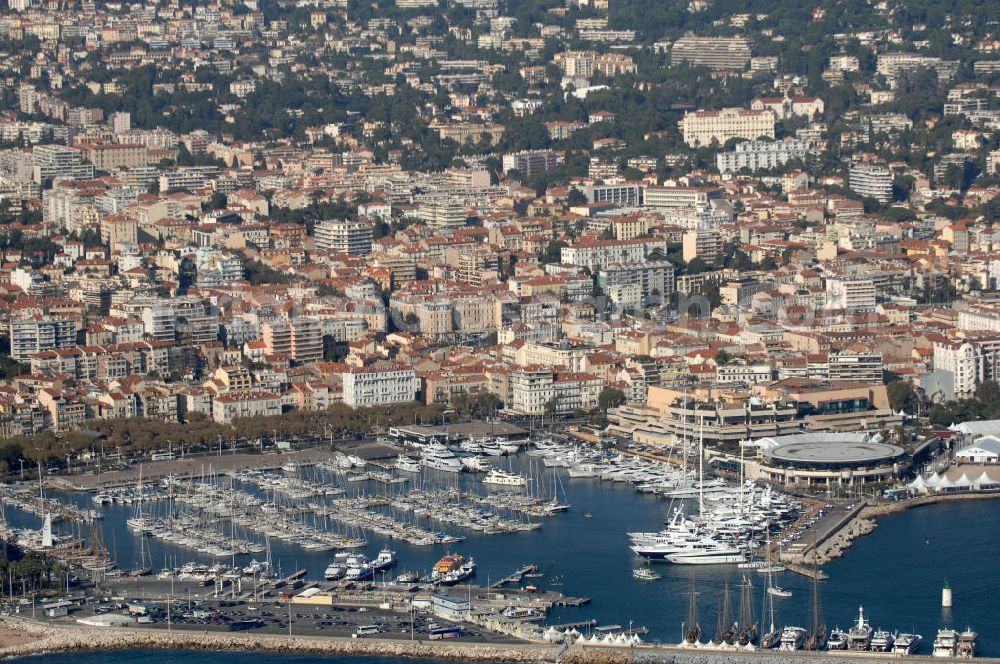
x=42, y=638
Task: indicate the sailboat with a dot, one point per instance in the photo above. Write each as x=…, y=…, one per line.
x=747, y=627
x=817, y=635
x=693, y=634
x=139, y=523
x=144, y=568
x=772, y=637
x=724, y=632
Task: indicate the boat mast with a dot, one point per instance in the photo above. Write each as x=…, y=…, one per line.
x=701, y=469
x=693, y=634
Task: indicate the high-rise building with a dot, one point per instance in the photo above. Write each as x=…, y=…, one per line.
x=40, y=333
x=344, y=236
x=850, y=294
x=443, y=213
x=531, y=162
x=121, y=122
x=871, y=182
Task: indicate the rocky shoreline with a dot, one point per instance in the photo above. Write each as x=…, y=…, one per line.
x=865, y=521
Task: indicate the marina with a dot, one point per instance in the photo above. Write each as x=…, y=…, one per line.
x=591, y=588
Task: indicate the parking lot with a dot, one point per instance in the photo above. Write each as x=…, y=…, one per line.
x=272, y=617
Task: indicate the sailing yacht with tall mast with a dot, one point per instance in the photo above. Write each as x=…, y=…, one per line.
x=139, y=523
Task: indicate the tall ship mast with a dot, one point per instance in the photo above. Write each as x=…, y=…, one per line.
x=817, y=631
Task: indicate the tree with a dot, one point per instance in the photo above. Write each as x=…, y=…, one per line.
x=576, y=197
x=901, y=395
x=610, y=397
x=552, y=406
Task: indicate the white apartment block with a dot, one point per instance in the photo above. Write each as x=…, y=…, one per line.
x=871, y=182
x=712, y=52
x=229, y=407
x=744, y=374
x=344, y=236
x=379, y=385
x=979, y=319
x=530, y=389
x=655, y=280
x=761, y=155
x=598, y=254
x=678, y=197
x=851, y=295
x=859, y=366
x=34, y=335
x=968, y=363
x=701, y=128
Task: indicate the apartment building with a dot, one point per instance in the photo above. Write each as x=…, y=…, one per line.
x=40, y=333
x=860, y=365
x=344, y=236
x=531, y=388
x=443, y=213
x=679, y=197
x=871, y=181
x=379, y=385
x=52, y=161
x=850, y=294
x=744, y=374
x=532, y=162
x=786, y=107
x=106, y=157
x=598, y=254
x=762, y=155
x=624, y=195
x=966, y=364
x=576, y=64
x=705, y=244
x=655, y=280
x=712, y=52
x=229, y=407
x=701, y=128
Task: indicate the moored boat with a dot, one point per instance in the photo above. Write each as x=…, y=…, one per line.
x=906, y=644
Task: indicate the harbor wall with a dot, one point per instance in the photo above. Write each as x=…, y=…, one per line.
x=36, y=638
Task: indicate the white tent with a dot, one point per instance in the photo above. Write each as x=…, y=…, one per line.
x=918, y=485
x=985, y=480
x=934, y=481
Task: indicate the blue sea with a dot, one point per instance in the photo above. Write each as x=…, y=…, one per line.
x=896, y=573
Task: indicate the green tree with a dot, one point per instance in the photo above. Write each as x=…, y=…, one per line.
x=610, y=397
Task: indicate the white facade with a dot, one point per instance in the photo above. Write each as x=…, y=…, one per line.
x=852, y=295
x=344, y=236
x=379, y=386
x=701, y=128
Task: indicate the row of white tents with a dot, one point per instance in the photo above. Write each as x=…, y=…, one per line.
x=958, y=479
x=572, y=636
